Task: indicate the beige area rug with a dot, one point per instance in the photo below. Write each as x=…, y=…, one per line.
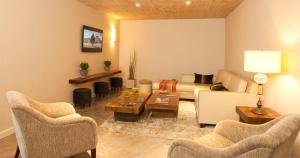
x=184, y=127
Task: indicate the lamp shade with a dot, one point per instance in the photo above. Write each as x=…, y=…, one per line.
x=262, y=61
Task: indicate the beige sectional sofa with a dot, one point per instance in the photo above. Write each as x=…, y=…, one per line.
x=214, y=106
x=185, y=87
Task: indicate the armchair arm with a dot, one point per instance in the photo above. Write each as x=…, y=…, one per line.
x=189, y=149
x=236, y=131
x=249, y=147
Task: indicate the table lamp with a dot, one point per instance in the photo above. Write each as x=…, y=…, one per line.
x=261, y=62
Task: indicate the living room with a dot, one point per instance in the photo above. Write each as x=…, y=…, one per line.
x=41, y=50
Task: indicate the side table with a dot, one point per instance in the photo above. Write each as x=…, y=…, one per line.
x=247, y=116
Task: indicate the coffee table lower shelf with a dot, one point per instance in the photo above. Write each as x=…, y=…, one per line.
x=127, y=117
x=128, y=113
x=162, y=113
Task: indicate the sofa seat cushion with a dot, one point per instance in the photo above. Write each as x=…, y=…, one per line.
x=214, y=140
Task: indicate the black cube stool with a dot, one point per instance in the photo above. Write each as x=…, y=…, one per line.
x=82, y=97
x=101, y=89
x=116, y=83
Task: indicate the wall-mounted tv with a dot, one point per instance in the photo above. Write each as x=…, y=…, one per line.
x=92, y=39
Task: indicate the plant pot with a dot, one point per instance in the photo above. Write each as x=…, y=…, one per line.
x=84, y=73
x=130, y=83
x=106, y=68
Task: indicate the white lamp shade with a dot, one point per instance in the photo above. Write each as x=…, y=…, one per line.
x=262, y=61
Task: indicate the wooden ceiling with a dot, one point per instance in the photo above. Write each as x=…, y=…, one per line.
x=164, y=9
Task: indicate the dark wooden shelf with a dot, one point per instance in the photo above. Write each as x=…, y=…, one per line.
x=97, y=76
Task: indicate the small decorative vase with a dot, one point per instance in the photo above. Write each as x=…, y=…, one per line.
x=106, y=68
x=83, y=73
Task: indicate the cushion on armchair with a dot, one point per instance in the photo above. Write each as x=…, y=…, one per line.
x=214, y=140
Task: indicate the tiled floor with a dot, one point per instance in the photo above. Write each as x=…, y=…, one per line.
x=111, y=145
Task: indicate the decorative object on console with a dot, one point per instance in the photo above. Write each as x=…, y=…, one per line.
x=107, y=64
x=84, y=66
x=131, y=78
x=92, y=39
x=261, y=62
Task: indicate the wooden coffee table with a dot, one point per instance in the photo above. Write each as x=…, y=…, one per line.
x=166, y=109
x=126, y=112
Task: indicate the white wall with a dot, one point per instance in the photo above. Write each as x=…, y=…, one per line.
x=269, y=25
x=40, y=49
x=168, y=48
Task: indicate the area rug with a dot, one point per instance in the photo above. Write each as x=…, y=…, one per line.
x=184, y=127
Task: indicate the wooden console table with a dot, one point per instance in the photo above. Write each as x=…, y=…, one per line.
x=97, y=76
x=247, y=116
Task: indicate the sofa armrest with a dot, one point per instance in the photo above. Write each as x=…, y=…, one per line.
x=209, y=101
x=190, y=149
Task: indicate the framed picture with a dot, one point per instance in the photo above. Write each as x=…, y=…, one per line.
x=92, y=39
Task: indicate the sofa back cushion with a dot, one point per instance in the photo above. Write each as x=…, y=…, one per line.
x=224, y=77
x=252, y=87
x=237, y=84
x=188, y=78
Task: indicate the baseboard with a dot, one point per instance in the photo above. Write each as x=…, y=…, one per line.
x=7, y=132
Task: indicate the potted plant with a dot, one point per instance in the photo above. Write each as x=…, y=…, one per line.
x=107, y=64
x=131, y=77
x=84, y=66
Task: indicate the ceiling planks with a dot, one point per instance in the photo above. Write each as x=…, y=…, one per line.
x=164, y=9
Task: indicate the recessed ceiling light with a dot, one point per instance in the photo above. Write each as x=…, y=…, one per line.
x=137, y=4
x=188, y=2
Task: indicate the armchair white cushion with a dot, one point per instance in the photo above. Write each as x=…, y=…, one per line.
x=232, y=139
x=48, y=130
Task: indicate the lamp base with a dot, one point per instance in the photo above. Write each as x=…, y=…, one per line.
x=259, y=111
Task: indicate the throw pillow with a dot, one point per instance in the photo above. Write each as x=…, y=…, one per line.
x=218, y=87
x=207, y=79
x=198, y=78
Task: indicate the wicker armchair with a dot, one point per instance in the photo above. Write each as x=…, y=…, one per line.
x=50, y=130
x=232, y=139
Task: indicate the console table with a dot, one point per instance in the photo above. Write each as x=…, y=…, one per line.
x=247, y=116
x=97, y=76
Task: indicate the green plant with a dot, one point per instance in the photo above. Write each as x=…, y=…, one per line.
x=84, y=65
x=132, y=66
x=107, y=63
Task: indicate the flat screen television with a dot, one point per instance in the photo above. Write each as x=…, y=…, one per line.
x=92, y=39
